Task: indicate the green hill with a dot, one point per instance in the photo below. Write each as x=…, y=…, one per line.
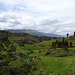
x=24, y=54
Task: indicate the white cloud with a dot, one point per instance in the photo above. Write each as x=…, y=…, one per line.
x=51, y=16
x=12, y=20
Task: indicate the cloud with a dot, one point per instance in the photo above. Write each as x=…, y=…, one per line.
x=14, y=20
x=50, y=16
x=10, y=20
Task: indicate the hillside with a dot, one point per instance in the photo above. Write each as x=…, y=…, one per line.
x=23, y=38
x=33, y=32
x=24, y=54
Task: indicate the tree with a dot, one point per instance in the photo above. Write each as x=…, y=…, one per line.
x=70, y=44
x=66, y=43
x=56, y=41
x=53, y=44
x=67, y=35
x=63, y=40
x=74, y=33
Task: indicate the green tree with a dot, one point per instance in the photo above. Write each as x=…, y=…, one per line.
x=53, y=44
x=74, y=33
x=67, y=35
x=70, y=44
x=63, y=39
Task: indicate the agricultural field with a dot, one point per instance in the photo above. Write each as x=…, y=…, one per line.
x=53, y=61
x=47, y=57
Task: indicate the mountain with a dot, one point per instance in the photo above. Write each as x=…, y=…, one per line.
x=22, y=38
x=32, y=32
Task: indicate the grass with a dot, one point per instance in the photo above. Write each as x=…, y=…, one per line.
x=54, y=65
x=30, y=47
x=59, y=61
x=57, y=66
x=13, y=39
x=51, y=65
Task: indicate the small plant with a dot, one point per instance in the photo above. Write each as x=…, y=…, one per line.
x=31, y=51
x=70, y=44
x=1, y=57
x=63, y=55
x=39, y=51
x=66, y=49
x=47, y=53
x=10, y=48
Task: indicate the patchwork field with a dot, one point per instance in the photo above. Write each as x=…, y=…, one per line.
x=29, y=55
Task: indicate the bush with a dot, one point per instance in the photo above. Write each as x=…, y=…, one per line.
x=39, y=51
x=31, y=51
x=21, y=54
x=1, y=57
x=5, y=71
x=63, y=55
x=47, y=53
x=24, y=69
x=3, y=63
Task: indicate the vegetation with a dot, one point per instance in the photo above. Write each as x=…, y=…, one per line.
x=67, y=35
x=23, y=54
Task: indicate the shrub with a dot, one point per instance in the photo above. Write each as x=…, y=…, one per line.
x=31, y=51
x=70, y=44
x=24, y=69
x=3, y=63
x=5, y=71
x=1, y=57
x=47, y=53
x=63, y=55
x=39, y=51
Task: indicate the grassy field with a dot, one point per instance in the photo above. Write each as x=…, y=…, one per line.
x=52, y=64
x=22, y=54
x=56, y=66
x=42, y=58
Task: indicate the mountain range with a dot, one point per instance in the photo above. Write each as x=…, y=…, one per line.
x=32, y=32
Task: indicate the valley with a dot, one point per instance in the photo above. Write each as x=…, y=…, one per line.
x=24, y=54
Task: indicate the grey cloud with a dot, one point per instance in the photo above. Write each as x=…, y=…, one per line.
x=13, y=24
x=3, y=19
x=49, y=22
x=14, y=21
x=9, y=20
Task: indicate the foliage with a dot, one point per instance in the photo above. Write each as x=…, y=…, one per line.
x=67, y=35
x=56, y=59
x=61, y=44
x=70, y=44
x=63, y=55
x=47, y=53
x=74, y=33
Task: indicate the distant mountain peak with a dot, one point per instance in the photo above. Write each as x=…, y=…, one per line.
x=32, y=32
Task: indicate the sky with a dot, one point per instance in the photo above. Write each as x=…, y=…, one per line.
x=49, y=16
